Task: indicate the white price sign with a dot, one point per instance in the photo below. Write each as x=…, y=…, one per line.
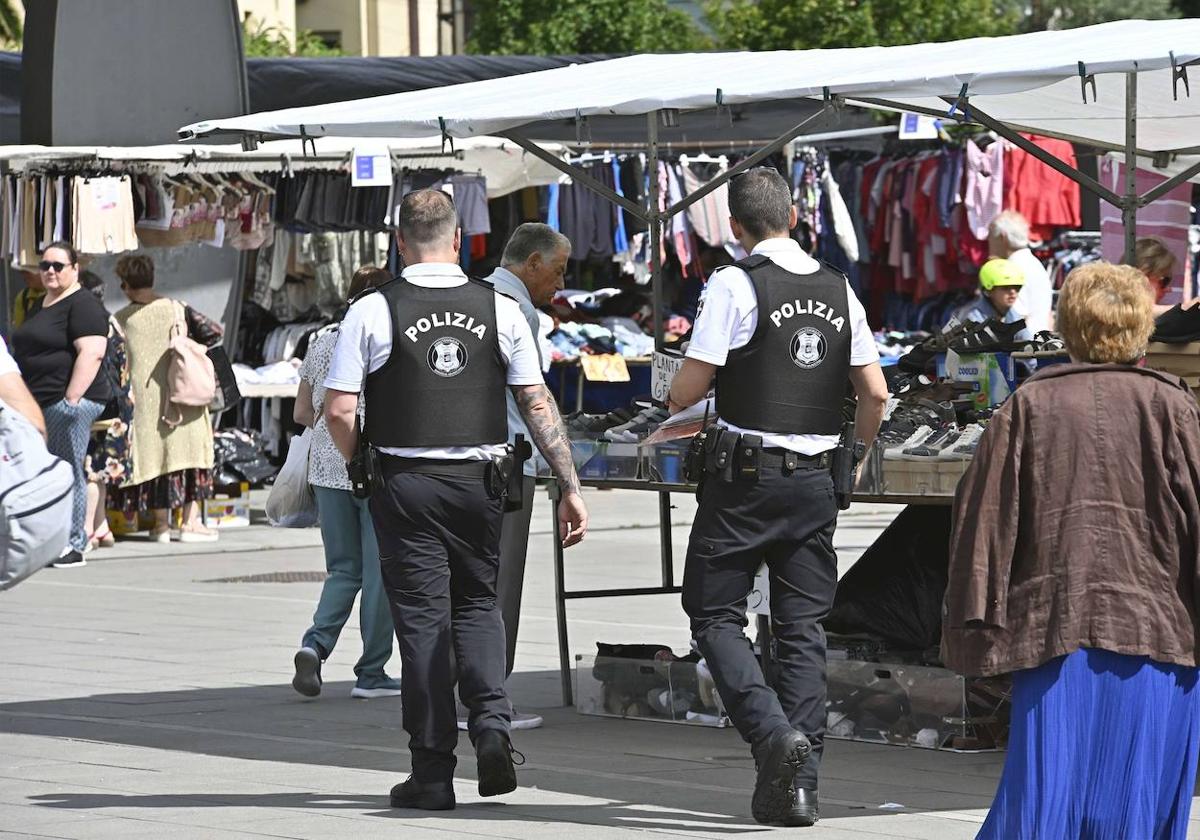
x=663, y=369
x=372, y=167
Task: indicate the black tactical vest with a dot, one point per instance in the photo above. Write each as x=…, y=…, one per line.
x=791, y=377
x=444, y=382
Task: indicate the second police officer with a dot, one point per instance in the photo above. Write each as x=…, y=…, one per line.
x=783, y=337
x=434, y=353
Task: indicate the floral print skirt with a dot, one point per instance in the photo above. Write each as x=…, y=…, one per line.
x=169, y=491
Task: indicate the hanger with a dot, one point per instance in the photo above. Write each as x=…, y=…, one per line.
x=254, y=180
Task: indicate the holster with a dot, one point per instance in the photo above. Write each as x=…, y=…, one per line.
x=521, y=452
x=366, y=475
x=844, y=467
x=497, y=474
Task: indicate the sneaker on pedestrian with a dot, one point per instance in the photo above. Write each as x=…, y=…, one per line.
x=370, y=686
x=525, y=720
x=519, y=720
x=71, y=560
x=307, y=680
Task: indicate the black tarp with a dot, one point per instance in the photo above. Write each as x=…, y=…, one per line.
x=277, y=83
x=895, y=590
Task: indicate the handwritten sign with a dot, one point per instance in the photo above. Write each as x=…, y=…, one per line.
x=606, y=367
x=663, y=368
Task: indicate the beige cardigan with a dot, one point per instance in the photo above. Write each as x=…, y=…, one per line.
x=156, y=448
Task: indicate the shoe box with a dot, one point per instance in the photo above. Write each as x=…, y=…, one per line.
x=914, y=705
x=601, y=459
x=923, y=477
x=647, y=689
x=229, y=508
x=1183, y=360
x=993, y=375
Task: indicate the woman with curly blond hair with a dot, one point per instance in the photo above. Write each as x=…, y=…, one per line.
x=1074, y=565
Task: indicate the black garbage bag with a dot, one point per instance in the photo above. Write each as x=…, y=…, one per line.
x=895, y=589
x=238, y=456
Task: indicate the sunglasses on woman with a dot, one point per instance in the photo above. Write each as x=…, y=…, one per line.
x=46, y=265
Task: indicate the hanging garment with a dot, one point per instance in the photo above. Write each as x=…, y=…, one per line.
x=710, y=215
x=1047, y=198
x=984, y=192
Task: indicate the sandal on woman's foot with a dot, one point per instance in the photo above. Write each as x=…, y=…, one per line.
x=197, y=534
x=104, y=536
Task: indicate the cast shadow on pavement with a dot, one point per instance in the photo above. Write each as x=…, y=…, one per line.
x=645, y=774
x=624, y=815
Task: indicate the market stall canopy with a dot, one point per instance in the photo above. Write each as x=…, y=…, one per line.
x=1034, y=82
x=506, y=166
x=1175, y=165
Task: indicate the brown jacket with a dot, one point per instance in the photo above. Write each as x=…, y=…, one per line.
x=1078, y=524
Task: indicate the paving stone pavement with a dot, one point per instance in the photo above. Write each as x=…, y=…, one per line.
x=139, y=699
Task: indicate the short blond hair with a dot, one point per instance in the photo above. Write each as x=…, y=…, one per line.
x=1106, y=313
x=1154, y=258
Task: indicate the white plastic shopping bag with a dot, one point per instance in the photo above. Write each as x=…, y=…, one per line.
x=291, y=503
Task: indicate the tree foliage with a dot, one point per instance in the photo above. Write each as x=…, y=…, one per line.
x=1048, y=14
x=564, y=27
x=10, y=26
x=813, y=24
x=262, y=41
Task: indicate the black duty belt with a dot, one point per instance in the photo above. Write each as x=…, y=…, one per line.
x=433, y=466
x=778, y=457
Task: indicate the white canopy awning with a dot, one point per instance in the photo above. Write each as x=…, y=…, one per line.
x=506, y=166
x=1028, y=81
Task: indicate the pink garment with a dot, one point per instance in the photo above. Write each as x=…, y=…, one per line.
x=985, y=186
x=1165, y=218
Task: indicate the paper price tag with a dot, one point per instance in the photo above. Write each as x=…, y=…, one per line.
x=372, y=167
x=663, y=368
x=608, y=367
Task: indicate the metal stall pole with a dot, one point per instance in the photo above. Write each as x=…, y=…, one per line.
x=655, y=229
x=666, y=549
x=560, y=598
x=1129, y=202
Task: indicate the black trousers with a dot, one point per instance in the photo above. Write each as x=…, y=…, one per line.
x=439, y=539
x=786, y=520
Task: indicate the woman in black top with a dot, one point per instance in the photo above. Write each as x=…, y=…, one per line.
x=60, y=348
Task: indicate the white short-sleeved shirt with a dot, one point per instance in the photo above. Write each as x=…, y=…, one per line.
x=7, y=363
x=1036, y=300
x=728, y=318
x=365, y=343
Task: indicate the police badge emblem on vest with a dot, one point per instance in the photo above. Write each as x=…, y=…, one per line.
x=447, y=357
x=808, y=348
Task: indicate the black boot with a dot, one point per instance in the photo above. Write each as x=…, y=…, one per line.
x=430, y=796
x=494, y=752
x=804, y=809
x=779, y=758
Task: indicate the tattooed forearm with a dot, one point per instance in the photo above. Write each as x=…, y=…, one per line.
x=548, y=432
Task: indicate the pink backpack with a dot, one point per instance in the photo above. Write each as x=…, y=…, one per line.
x=191, y=379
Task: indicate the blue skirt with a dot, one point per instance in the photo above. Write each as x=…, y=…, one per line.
x=1103, y=747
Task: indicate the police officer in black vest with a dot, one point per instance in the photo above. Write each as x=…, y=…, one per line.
x=782, y=336
x=436, y=352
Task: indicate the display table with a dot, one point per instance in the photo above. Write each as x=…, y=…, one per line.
x=874, y=485
x=285, y=391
